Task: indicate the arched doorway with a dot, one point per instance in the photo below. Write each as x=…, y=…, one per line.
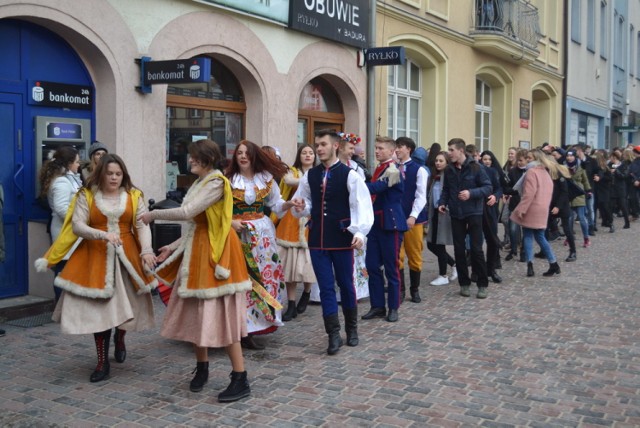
x=319, y=107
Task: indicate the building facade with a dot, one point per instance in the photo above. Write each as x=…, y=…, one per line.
x=487, y=71
x=603, y=96
x=69, y=76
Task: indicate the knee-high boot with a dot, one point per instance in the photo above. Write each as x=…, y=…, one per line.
x=120, y=352
x=351, y=325
x=332, y=327
x=102, y=349
x=414, y=278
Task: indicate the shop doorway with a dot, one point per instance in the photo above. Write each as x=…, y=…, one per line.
x=319, y=107
x=13, y=248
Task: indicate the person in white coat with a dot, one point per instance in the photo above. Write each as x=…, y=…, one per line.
x=59, y=181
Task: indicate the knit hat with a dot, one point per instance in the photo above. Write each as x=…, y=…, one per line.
x=571, y=153
x=561, y=151
x=95, y=146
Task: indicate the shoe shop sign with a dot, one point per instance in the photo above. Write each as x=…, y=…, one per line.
x=62, y=95
x=173, y=71
x=344, y=21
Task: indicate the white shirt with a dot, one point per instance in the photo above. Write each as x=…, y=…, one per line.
x=360, y=205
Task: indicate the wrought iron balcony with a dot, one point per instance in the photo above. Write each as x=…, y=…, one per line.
x=506, y=28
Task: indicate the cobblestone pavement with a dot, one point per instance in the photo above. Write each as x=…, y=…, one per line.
x=563, y=351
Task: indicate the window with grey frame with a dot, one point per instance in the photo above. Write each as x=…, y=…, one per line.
x=604, y=48
x=591, y=25
x=404, y=99
x=576, y=10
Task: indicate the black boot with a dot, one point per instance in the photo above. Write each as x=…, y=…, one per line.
x=250, y=343
x=332, y=327
x=414, y=279
x=201, y=377
x=120, y=353
x=530, y=269
x=375, y=313
x=292, y=311
x=303, y=302
x=351, y=325
x=572, y=257
x=102, y=370
x=402, y=286
x=554, y=268
x=237, y=389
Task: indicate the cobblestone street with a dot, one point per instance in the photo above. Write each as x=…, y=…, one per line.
x=561, y=351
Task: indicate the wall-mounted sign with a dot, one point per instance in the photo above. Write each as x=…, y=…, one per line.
x=524, y=123
x=345, y=21
x=52, y=94
x=276, y=10
x=385, y=56
x=525, y=109
x=174, y=71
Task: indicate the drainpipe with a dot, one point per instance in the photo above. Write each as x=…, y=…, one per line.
x=371, y=92
x=565, y=61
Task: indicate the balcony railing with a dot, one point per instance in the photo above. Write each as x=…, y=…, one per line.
x=514, y=19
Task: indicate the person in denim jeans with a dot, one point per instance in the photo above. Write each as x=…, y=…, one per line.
x=578, y=204
x=536, y=189
x=589, y=165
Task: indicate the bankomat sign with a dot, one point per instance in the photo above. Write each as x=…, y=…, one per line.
x=60, y=95
x=345, y=21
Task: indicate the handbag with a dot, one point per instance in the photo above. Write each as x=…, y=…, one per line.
x=574, y=190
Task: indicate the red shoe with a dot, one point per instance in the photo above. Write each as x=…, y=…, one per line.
x=566, y=242
x=587, y=243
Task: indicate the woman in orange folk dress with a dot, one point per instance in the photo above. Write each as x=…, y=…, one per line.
x=206, y=268
x=291, y=235
x=104, y=281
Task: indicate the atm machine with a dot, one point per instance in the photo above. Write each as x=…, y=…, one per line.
x=54, y=132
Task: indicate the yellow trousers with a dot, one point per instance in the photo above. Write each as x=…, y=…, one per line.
x=412, y=246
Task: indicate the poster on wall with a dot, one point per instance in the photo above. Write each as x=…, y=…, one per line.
x=276, y=10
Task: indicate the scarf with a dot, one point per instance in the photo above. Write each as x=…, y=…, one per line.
x=518, y=186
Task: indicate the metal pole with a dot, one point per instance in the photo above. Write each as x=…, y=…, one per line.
x=371, y=91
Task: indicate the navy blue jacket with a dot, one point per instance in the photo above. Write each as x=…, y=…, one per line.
x=410, y=187
x=471, y=177
x=387, y=208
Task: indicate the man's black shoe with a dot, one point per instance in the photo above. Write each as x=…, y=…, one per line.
x=375, y=313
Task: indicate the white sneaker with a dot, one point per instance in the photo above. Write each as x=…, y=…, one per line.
x=454, y=274
x=441, y=280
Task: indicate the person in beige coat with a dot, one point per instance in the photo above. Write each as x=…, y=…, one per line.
x=532, y=212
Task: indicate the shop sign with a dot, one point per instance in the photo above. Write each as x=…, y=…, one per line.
x=385, y=56
x=344, y=21
x=524, y=123
x=174, y=71
x=53, y=94
x=626, y=128
x=525, y=109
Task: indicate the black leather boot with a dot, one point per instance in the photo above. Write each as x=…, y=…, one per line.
x=375, y=313
x=303, y=302
x=332, y=327
x=403, y=289
x=554, y=269
x=201, y=377
x=351, y=325
x=414, y=279
x=292, y=311
x=120, y=353
x=102, y=370
x=530, y=269
x=249, y=342
x=237, y=389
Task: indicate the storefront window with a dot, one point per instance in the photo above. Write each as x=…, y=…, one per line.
x=214, y=110
x=319, y=107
